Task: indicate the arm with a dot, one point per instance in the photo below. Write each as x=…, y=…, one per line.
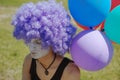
x=26, y=68
x=73, y=72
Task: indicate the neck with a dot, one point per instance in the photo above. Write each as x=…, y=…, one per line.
x=46, y=60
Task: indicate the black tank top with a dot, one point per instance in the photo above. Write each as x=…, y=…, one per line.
x=56, y=76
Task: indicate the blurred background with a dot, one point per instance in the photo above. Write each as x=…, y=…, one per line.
x=12, y=52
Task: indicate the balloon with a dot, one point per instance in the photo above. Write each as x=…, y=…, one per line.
x=112, y=25
x=102, y=25
x=115, y=3
x=91, y=50
x=86, y=28
x=89, y=13
x=83, y=27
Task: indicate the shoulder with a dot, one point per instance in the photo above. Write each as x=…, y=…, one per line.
x=28, y=58
x=26, y=67
x=72, y=71
x=27, y=62
x=73, y=68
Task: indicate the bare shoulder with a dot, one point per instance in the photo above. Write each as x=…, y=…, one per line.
x=73, y=68
x=28, y=58
x=72, y=71
x=26, y=67
x=27, y=62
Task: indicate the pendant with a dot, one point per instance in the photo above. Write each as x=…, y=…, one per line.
x=46, y=72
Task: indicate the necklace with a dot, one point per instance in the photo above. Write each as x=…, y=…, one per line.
x=46, y=69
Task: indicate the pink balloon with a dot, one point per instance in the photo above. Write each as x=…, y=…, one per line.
x=91, y=50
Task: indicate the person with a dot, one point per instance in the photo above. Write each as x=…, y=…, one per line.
x=46, y=29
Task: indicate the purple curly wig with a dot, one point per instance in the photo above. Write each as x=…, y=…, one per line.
x=47, y=21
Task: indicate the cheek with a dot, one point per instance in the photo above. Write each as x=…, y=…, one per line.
x=31, y=49
x=34, y=47
x=38, y=47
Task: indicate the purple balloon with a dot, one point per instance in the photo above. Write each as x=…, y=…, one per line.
x=91, y=50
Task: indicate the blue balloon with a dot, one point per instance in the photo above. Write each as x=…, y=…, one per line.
x=89, y=13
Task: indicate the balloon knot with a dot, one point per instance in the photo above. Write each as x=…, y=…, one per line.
x=102, y=30
x=91, y=27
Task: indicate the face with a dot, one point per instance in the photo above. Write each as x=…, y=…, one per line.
x=36, y=49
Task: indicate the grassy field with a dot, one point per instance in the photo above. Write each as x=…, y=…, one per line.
x=17, y=3
x=12, y=52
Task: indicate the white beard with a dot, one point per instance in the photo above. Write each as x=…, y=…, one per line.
x=37, y=51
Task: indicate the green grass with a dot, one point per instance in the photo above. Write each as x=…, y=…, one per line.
x=12, y=52
x=16, y=3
